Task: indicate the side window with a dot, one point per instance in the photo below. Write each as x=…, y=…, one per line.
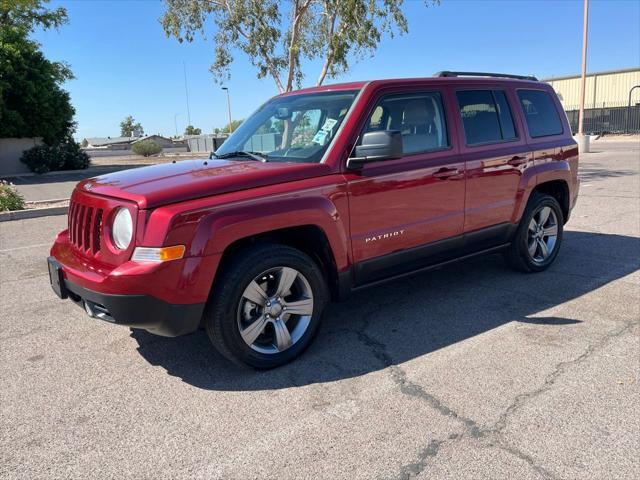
x=486, y=116
x=504, y=115
x=376, y=120
x=540, y=112
x=419, y=116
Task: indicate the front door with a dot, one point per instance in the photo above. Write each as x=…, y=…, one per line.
x=405, y=210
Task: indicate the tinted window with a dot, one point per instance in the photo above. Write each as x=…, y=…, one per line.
x=504, y=115
x=420, y=118
x=540, y=113
x=485, y=116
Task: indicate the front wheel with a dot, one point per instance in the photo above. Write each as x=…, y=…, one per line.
x=266, y=307
x=537, y=240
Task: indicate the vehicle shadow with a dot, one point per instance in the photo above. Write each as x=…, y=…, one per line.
x=409, y=318
x=594, y=171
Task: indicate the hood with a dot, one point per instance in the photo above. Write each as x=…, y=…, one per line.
x=168, y=183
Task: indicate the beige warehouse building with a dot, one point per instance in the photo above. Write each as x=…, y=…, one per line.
x=604, y=89
x=606, y=103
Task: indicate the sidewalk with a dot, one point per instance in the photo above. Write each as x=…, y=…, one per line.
x=59, y=185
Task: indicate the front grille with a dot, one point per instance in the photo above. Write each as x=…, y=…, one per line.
x=85, y=225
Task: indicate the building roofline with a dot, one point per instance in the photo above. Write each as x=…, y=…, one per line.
x=593, y=74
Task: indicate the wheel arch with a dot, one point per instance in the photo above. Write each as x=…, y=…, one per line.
x=558, y=189
x=309, y=239
x=552, y=179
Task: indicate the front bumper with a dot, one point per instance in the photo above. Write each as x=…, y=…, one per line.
x=134, y=311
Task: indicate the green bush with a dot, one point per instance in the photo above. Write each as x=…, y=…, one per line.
x=10, y=199
x=63, y=156
x=146, y=148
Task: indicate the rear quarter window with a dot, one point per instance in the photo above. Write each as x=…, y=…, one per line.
x=540, y=113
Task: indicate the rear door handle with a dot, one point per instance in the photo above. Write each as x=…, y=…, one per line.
x=517, y=160
x=445, y=173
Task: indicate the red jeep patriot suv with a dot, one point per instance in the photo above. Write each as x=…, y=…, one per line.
x=321, y=192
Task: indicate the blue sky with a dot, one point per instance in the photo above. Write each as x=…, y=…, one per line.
x=124, y=64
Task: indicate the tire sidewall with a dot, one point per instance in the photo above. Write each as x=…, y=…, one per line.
x=225, y=312
x=522, y=238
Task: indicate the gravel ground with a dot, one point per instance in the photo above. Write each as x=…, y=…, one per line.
x=471, y=371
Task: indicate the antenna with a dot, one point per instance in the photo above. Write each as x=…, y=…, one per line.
x=186, y=91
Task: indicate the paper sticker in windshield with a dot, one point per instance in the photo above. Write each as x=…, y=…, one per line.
x=322, y=134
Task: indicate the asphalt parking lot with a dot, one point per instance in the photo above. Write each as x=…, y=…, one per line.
x=471, y=371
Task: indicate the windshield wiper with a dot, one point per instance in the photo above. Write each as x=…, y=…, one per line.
x=243, y=153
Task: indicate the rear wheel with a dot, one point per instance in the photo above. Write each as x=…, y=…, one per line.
x=539, y=235
x=266, y=306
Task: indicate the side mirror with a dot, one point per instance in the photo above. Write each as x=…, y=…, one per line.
x=376, y=146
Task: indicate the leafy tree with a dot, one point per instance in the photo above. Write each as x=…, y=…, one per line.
x=234, y=126
x=29, y=14
x=277, y=36
x=129, y=128
x=191, y=130
x=146, y=148
x=32, y=101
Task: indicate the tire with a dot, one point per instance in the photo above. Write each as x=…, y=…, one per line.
x=236, y=312
x=526, y=253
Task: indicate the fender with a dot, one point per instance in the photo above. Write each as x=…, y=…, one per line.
x=219, y=229
x=536, y=175
x=207, y=228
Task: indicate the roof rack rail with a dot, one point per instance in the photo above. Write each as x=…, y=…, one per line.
x=446, y=73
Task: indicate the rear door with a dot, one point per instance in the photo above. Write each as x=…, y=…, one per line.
x=399, y=206
x=495, y=153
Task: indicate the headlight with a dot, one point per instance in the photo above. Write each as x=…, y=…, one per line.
x=122, y=230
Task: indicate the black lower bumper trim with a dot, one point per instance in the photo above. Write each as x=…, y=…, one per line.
x=139, y=311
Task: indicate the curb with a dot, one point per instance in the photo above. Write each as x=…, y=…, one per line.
x=35, y=213
x=51, y=200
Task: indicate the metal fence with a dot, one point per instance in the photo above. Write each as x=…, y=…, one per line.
x=204, y=143
x=610, y=118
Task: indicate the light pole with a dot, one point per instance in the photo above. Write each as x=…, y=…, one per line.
x=583, y=141
x=626, y=129
x=175, y=123
x=226, y=89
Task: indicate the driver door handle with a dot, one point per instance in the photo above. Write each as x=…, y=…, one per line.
x=445, y=173
x=517, y=160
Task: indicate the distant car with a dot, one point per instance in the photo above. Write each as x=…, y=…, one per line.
x=321, y=192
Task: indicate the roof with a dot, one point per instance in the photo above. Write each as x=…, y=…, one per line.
x=146, y=137
x=101, y=141
x=104, y=141
x=592, y=74
x=405, y=81
x=328, y=88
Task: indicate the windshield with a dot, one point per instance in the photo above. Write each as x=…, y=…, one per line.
x=295, y=128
